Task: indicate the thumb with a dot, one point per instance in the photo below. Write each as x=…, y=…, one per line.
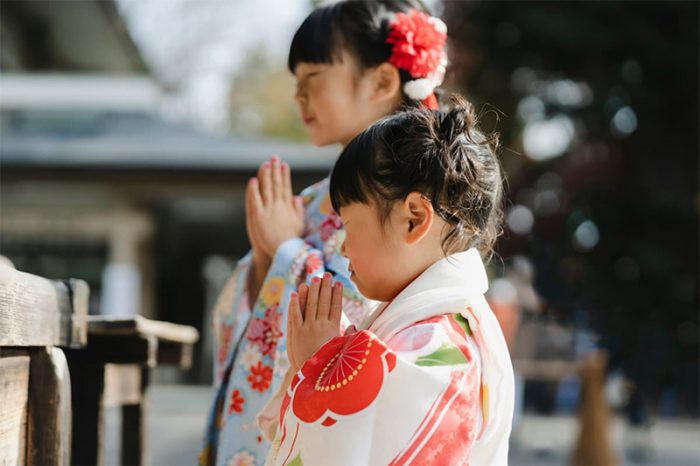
x=299, y=205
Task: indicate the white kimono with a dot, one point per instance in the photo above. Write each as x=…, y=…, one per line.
x=426, y=380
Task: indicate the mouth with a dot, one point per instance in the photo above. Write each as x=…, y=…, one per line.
x=308, y=120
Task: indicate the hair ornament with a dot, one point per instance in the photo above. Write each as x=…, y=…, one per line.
x=419, y=48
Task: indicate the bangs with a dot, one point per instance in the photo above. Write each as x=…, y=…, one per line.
x=350, y=180
x=315, y=41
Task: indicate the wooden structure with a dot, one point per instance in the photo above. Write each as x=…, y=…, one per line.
x=60, y=369
x=38, y=317
x=114, y=372
x=593, y=446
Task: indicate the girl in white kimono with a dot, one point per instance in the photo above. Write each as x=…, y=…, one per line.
x=426, y=378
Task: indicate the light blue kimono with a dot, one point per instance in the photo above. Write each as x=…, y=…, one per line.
x=250, y=352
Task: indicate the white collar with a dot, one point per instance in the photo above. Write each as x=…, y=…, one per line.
x=443, y=288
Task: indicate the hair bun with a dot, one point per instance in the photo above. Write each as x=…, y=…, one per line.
x=455, y=123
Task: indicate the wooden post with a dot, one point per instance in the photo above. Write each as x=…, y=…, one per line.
x=593, y=445
x=134, y=441
x=87, y=389
x=37, y=316
x=49, y=408
x=14, y=382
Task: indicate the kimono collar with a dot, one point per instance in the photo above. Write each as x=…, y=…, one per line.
x=446, y=287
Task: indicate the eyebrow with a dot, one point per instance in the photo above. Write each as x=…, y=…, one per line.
x=308, y=75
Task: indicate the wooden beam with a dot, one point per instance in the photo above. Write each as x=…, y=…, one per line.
x=113, y=325
x=118, y=349
x=178, y=354
x=129, y=340
x=35, y=311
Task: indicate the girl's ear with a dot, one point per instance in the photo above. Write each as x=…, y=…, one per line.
x=418, y=217
x=387, y=83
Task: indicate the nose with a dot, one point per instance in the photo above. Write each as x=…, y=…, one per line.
x=342, y=249
x=300, y=96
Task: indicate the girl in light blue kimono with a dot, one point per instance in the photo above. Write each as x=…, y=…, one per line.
x=353, y=65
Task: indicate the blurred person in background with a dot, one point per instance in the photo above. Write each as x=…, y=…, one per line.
x=511, y=297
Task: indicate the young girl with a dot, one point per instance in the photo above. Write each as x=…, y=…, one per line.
x=355, y=62
x=427, y=379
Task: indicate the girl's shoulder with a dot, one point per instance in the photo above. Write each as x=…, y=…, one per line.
x=440, y=340
x=317, y=205
x=316, y=191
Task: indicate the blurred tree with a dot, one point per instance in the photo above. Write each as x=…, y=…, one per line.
x=600, y=122
x=262, y=99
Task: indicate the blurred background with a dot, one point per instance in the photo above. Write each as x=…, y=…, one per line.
x=128, y=130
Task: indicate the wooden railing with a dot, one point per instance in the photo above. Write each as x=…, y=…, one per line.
x=60, y=369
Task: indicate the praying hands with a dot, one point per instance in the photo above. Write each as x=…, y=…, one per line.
x=313, y=319
x=273, y=215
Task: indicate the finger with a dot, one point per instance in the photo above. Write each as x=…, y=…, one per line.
x=303, y=293
x=323, y=308
x=294, y=318
x=253, y=193
x=299, y=206
x=276, y=175
x=312, y=299
x=294, y=321
x=248, y=211
x=336, y=302
x=253, y=206
x=286, y=182
x=265, y=176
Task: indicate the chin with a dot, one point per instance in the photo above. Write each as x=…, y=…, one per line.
x=320, y=139
x=375, y=296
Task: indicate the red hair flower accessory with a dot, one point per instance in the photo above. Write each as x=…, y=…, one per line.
x=419, y=48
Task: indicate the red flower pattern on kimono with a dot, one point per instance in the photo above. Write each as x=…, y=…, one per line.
x=224, y=342
x=329, y=225
x=237, y=402
x=313, y=263
x=342, y=378
x=260, y=377
x=266, y=331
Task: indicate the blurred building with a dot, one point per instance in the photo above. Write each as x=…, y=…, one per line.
x=95, y=183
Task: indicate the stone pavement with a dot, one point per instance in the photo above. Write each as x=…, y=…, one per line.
x=178, y=414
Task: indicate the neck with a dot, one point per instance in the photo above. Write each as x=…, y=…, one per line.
x=383, y=112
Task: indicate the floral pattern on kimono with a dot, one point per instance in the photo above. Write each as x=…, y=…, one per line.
x=427, y=381
x=251, y=358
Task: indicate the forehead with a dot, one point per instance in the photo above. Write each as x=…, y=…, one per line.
x=357, y=211
x=344, y=62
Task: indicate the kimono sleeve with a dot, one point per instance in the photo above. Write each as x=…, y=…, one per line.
x=358, y=401
x=229, y=312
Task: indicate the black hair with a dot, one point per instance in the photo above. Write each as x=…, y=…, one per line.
x=360, y=27
x=441, y=154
